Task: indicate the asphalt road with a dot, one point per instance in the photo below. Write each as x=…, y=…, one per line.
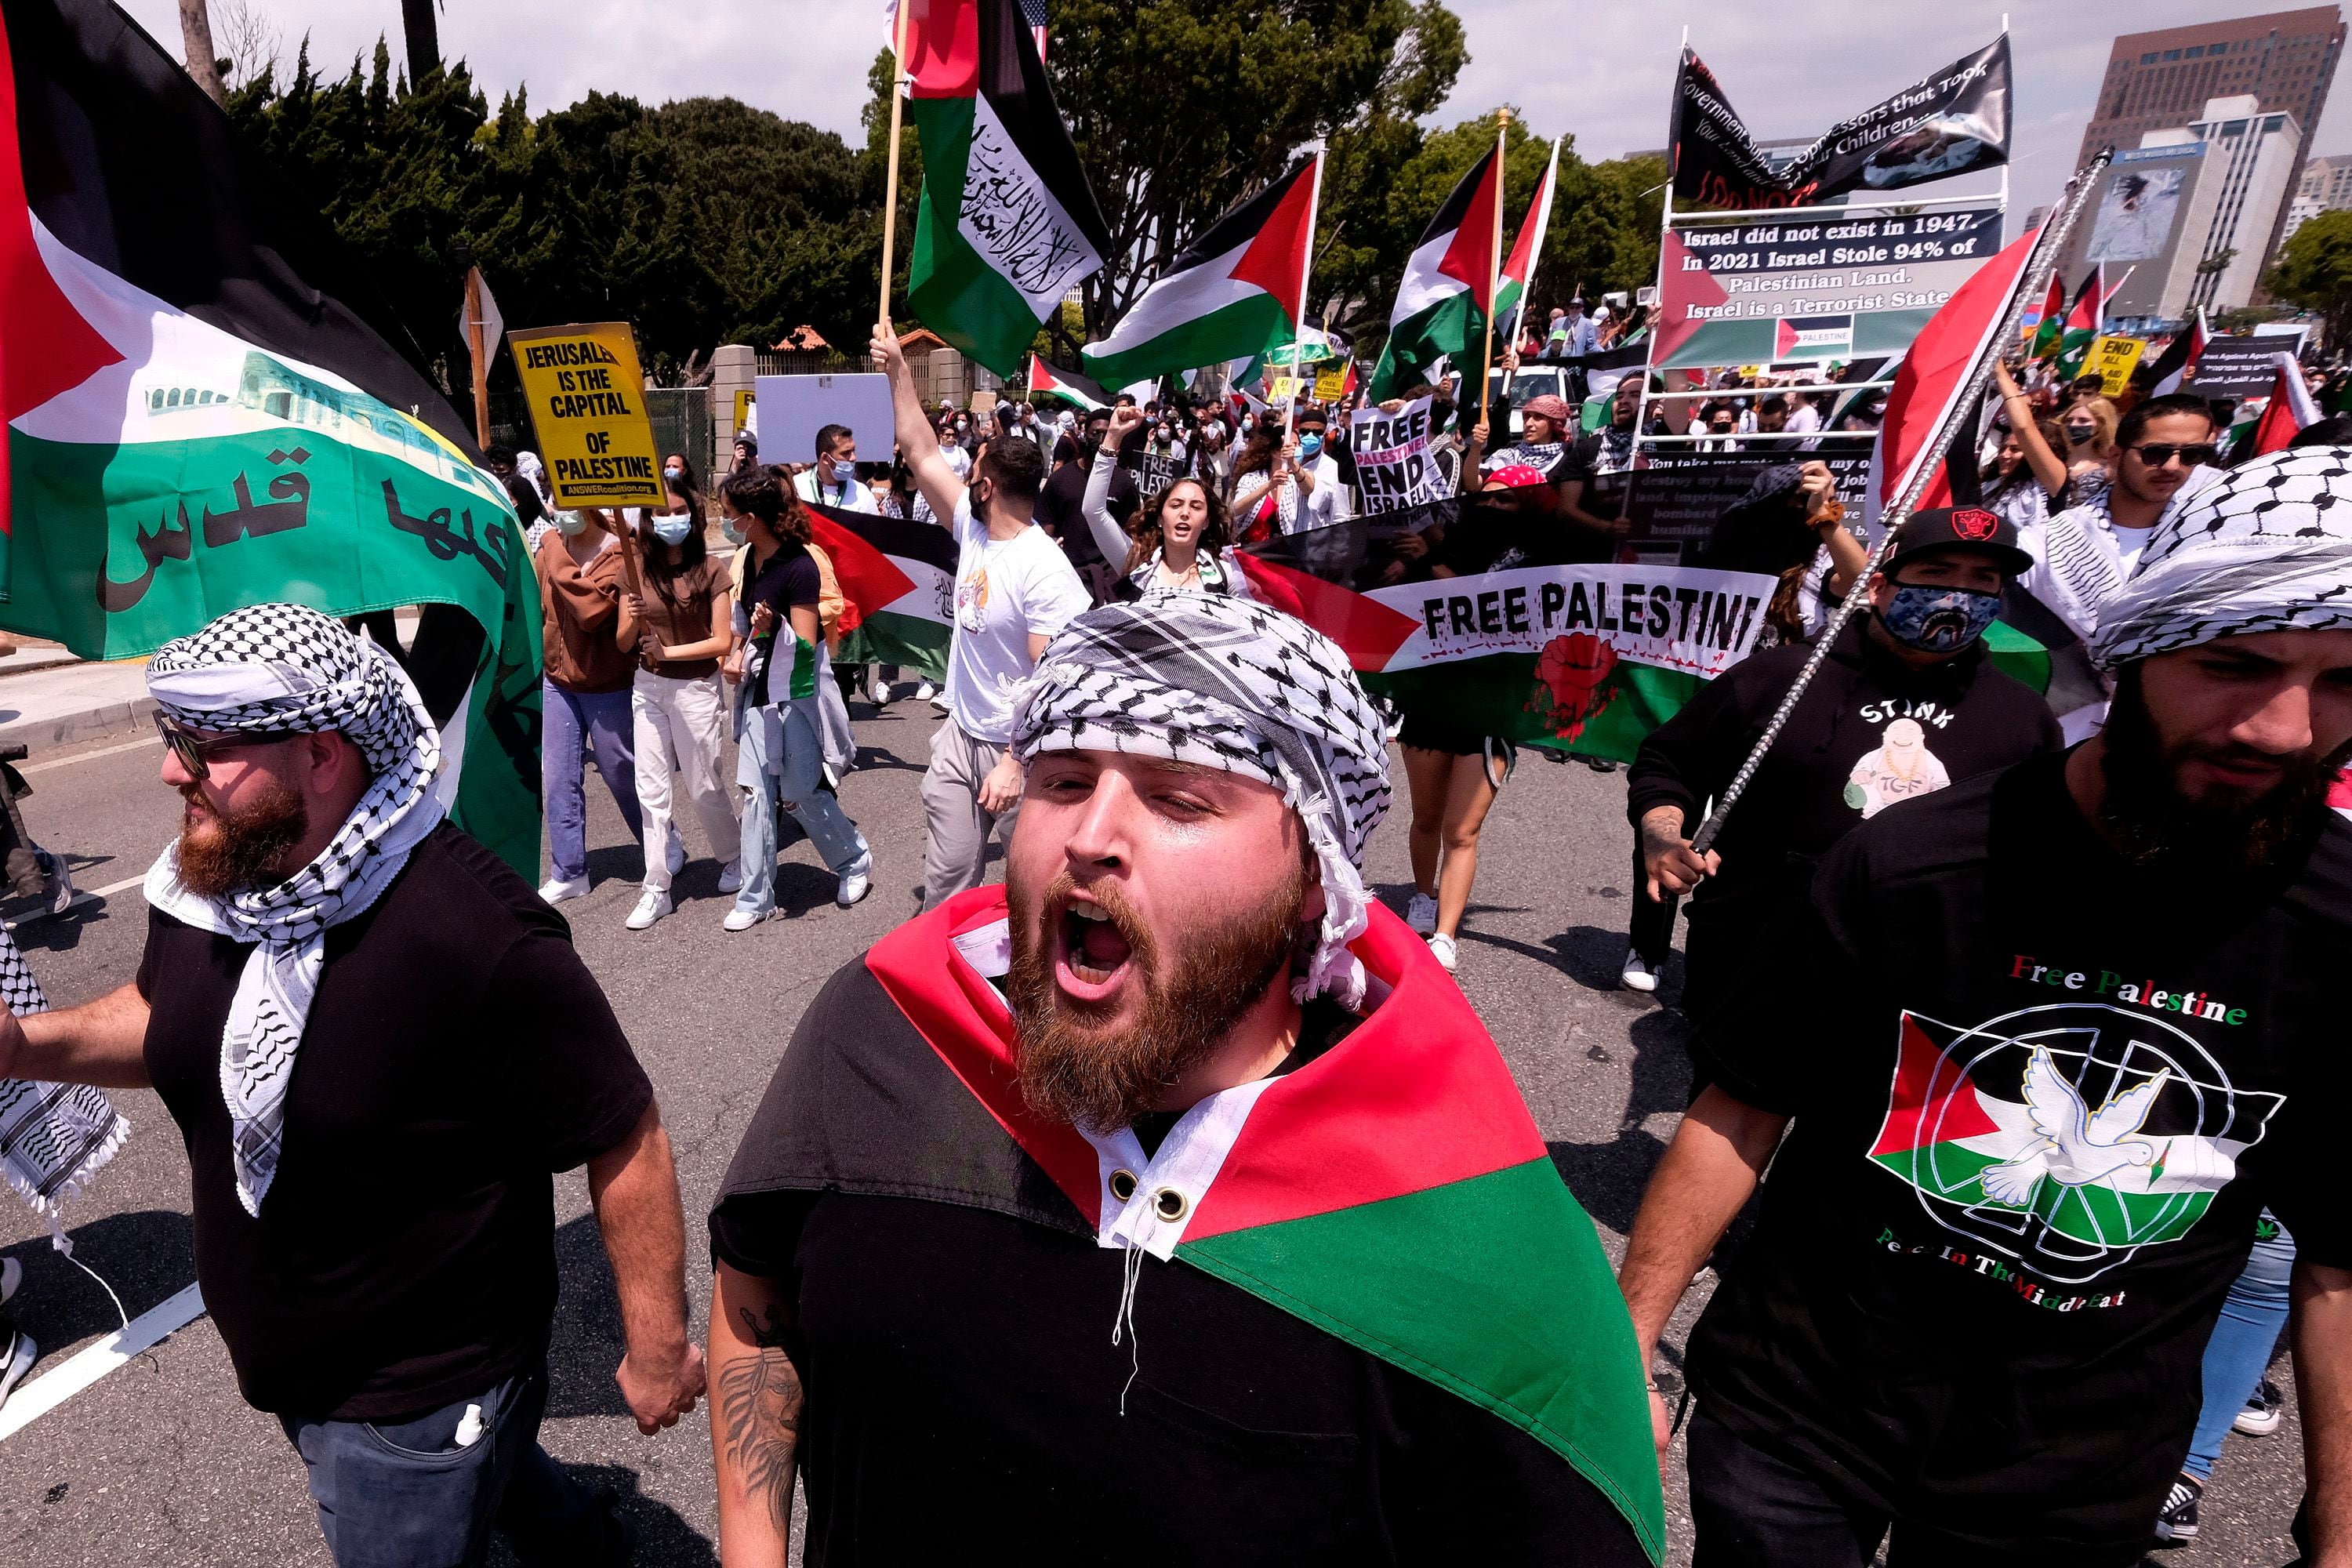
x=161, y=1463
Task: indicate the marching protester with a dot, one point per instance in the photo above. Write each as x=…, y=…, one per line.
x=1012, y=1179
x=2074, y=1049
x=1180, y=540
x=779, y=667
x=1593, y=476
x=1904, y=705
x=1014, y=589
x=586, y=695
x=746, y=452
x=2027, y=477
x=1542, y=443
x=1061, y=505
x=2093, y=427
x=2238, y=1396
x=832, y=480
x=679, y=629
x=377, y=1045
x=1301, y=488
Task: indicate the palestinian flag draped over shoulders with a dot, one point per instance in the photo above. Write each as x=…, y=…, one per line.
x=197, y=421
x=898, y=588
x=1231, y=294
x=1449, y=281
x=1008, y=223
x=1393, y=1192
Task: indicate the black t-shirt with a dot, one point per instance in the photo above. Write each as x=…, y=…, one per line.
x=2040, y=1096
x=457, y=1052
x=788, y=580
x=1604, y=461
x=1870, y=732
x=962, y=1385
x=1058, y=506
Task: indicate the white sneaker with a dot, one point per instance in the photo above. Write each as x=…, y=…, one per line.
x=855, y=884
x=651, y=908
x=1441, y=947
x=927, y=692
x=1421, y=913
x=556, y=892
x=17, y=1355
x=744, y=919
x=1637, y=975
x=877, y=692
x=676, y=855
x=731, y=876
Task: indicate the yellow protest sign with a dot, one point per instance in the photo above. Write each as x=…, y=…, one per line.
x=1330, y=385
x=742, y=409
x=2113, y=360
x=1284, y=388
x=585, y=394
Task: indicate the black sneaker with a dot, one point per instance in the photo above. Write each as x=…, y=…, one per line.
x=2265, y=1408
x=17, y=1355
x=2178, y=1521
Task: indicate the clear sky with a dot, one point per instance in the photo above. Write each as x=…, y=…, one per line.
x=1603, y=72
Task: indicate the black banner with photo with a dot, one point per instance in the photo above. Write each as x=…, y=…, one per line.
x=1949, y=121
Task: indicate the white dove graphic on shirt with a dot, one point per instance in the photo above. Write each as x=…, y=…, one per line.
x=2077, y=1149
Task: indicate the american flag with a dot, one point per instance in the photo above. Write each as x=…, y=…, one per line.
x=1034, y=13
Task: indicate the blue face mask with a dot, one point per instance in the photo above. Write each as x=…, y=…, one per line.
x=732, y=534
x=1938, y=620
x=1310, y=445
x=673, y=530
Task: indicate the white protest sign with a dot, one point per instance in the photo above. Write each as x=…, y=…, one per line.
x=791, y=409
x=1394, y=467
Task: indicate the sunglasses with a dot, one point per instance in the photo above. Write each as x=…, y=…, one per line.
x=194, y=751
x=2155, y=454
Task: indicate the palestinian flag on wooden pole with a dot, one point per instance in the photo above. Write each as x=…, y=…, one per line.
x=1233, y=293
x=1050, y=381
x=1447, y=294
x=2050, y=322
x=198, y=421
x=1008, y=224
x=2179, y=361
x=2287, y=412
x=1526, y=250
x=1392, y=1193
x=2081, y=329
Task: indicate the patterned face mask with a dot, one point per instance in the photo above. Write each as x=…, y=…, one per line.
x=1938, y=620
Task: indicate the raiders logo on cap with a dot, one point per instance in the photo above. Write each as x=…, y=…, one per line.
x=1974, y=523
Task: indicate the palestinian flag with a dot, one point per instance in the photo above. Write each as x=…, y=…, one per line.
x=1049, y=380
x=1442, y=305
x=198, y=421
x=1008, y=223
x=898, y=588
x=2081, y=329
x=2075, y=1146
x=2048, y=321
x=1233, y=293
x=2179, y=362
x=1583, y=658
x=1511, y=299
x=2287, y=412
x=1393, y=1193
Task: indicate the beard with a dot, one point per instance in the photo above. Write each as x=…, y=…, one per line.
x=235, y=851
x=1077, y=1065
x=2151, y=819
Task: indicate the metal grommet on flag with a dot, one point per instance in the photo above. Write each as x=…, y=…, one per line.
x=1122, y=1184
x=1170, y=1205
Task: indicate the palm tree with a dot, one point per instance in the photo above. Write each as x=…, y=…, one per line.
x=418, y=22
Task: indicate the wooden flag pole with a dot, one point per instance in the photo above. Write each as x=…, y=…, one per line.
x=481, y=359
x=890, y=194
x=1299, y=322
x=1493, y=269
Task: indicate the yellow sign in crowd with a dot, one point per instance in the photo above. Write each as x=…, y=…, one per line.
x=588, y=407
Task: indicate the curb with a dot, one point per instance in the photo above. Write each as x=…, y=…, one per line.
x=113, y=719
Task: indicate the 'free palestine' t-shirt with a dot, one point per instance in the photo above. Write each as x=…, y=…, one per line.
x=2040, y=1094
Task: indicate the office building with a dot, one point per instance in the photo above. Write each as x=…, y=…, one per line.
x=2160, y=81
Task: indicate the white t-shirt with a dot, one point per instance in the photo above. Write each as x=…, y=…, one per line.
x=855, y=496
x=1006, y=590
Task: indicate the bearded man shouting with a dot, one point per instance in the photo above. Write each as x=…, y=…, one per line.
x=1168, y=1204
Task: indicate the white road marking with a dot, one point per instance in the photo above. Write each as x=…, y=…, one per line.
x=83, y=896
x=89, y=756
x=86, y=1366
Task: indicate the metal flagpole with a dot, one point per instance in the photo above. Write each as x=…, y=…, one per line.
x=2039, y=267
x=897, y=110
x=1493, y=271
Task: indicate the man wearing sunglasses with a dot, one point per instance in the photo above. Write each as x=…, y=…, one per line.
x=379, y=1045
x=2164, y=454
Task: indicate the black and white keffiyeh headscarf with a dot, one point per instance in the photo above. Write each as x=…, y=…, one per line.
x=2266, y=547
x=53, y=1136
x=1227, y=683
x=288, y=668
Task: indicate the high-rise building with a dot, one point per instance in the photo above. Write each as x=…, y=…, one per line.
x=2159, y=80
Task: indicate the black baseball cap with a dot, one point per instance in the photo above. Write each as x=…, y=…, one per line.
x=1958, y=528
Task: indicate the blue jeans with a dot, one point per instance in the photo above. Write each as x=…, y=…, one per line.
x=2243, y=1337
x=778, y=760
x=405, y=1495
x=565, y=717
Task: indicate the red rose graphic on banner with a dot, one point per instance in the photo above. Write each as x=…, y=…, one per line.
x=1573, y=675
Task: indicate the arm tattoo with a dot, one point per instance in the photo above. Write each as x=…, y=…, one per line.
x=760, y=1401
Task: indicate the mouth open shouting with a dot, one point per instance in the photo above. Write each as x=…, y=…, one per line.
x=1093, y=949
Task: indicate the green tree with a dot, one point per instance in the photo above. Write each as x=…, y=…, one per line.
x=2315, y=271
